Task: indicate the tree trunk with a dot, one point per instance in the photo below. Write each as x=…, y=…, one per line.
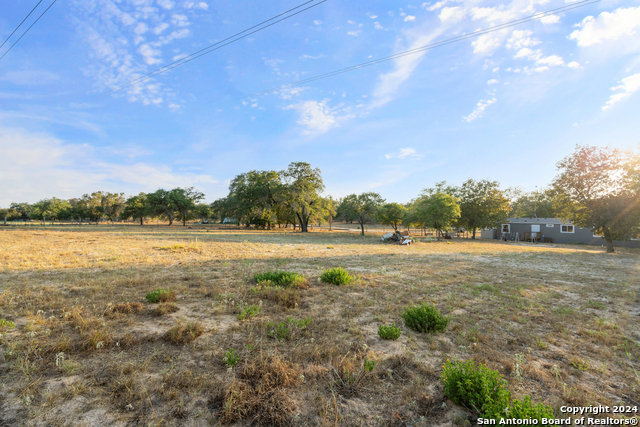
x=184, y=221
x=361, y=227
x=474, y=233
x=607, y=237
x=141, y=219
x=5, y=220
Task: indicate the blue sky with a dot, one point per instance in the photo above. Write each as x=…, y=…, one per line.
x=505, y=106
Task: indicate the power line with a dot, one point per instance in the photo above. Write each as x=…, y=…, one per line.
x=218, y=45
x=34, y=23
x=423, y=48
x=34, y=8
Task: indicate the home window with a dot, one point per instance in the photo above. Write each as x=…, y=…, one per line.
x=506, y=228
x=567, y=228
x=549, y=225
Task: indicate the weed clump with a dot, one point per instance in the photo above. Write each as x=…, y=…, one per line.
x=424, y=318
x=389, y=332
x=337, y=276
x=127, y=308
x=280, y=278
x=230, y=358
x=286, y=330
x=261, y=391
x=248, y=311
x=184, y=333
x=483, y=389
x=6, y=324
x=163, y=309
x=161, y=295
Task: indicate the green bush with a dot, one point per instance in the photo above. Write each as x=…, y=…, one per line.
x=424, y=318
x=248, y=312
x=389, y=332
x=483, y=389
x=337, y=276
x=279, y=278
x=161, y=295
x=525, y=410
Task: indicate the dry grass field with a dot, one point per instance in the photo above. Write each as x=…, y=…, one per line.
x=80, y=344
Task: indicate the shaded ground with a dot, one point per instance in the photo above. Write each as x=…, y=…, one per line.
x=560, y=322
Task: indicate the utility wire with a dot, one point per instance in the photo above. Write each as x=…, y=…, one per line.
x=34, y=8
x=34, y=23
x=231, y=39
x=423, y=48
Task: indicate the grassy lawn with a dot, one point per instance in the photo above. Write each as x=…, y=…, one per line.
x=560, y=322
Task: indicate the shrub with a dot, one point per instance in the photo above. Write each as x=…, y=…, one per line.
x=483, y=390
x=184, y=333
x=389, y=332
x=478, y=388
x=424, y=318
x=525, y=410
x=280, y=278
x=337, y=276
x=161, y=295
x=248, y=312
x=230, y=358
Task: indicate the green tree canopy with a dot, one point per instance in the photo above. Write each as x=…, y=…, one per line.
x=256, y=196
x=363, y=207
x=534, y=204
x=392, y=214
x=301, y=194
x=482, y=204
x=596, y=188
x=137, y=208
x=436, y=210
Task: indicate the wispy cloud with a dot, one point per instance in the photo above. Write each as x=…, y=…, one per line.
x=405, y=153
x=628, y=86
x=479, y=110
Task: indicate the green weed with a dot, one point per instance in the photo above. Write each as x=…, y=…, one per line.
x=161, y=295
x=424, y=318
x=337, y=276
x=389, y=332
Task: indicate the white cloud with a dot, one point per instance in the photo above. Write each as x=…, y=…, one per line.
x=404, y=67
x=629, y=85
x=34, y=166
x=317, y=22
x=202, y=5
x=377, y=26
x=354, y=33
x=150, y=55
x=409, y=18
x=160, y=28
x=486, y=43
x=404, y=153
x=373, y=16
x=520, y=39
x=493, y=82
x=574, y=65
x=317, y=117
x=526, y=53
x=452, y=14
x=492, y=14
x=180, y=20
x=166, y=4
x=550, y=19
x=552, y=60
x=607, y=26
x=479, y=110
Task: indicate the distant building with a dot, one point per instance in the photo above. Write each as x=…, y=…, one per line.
x=549, y=230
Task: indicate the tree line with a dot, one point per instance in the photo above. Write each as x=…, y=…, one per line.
x=597, y=188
